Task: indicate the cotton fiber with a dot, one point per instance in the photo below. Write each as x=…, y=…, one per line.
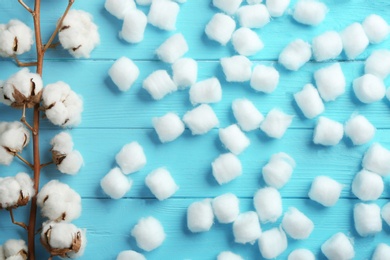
x=246, y=228
x=226, y=168
x=246, y=42
x=268, y=204
x=376, y=28
x=367, y=219
x=131, y=158
x=264, y=78
x=226, y=207
x=172, y=49
x=163, y=14
x=382, y=252
x=369, y=88
x=325, y=191
x=385, y=213
x=220, y=28
x=14, y=249
x=354, y=39
x=159, y=84
x=276, y=123
x=15, y=31
x=309, y=12
x=295, y=55
x=119, y=8
x=277, y=8
x=133, y=27
x=272, y=243
x=359, y=129
x=328, y=132
x=168, y=127
x=14, y=137
x=301, y=254
x=236, y=68
x=330, y=82
x=277, y=172
x=247, y=115
x=253, y=16
x=185, y=72
x=367, y=185
x=309, y=101
x=130, y=255
x=327, y=46
x=201, y=119
x=72, y=163
x=377, y=159
x=124, y=73
x=296, y=224
x=228, y=6
x=206, y=91
x=378, y=63
x=161, y=183
x=227, y=255
x=115, y=184
x=338, y=247
x=149, y=233
x=200, y=216
x=234, y=139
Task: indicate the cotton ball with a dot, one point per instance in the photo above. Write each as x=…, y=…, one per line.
x=268, y=204
x=246, y=42
x=272, y=243
x=72, y=163
x=325, y=191
x=185, y=72
x=163, y=14
x=58, y=235
x=159, y=84
x=382, y=252
x=200, y=216
x=253, y=16
x=115, y=184
x=227, y=255
x=327, y=46
x=131, y=158
x=354, y=39
x=295, y=55
x=309, y=101
x=149, y=233
x=246, y=114
x=369, y=88
x=296, y=224
x=367, y=185
x=236, y=68
x=226, y=168
x=246, y=228
x=328, y=132
x=62, y=143
x=130, y=255
x=6, y=158
x=264, y=78
x=277, y=8
x=124, y=73
x=220, y=28
x=172, y=49
x=367, y=219
x=226, y=208
x=119, y=8
x=330, y=82
x=301, y=254
x=168, y=127
x=234, y=139
x=26, y=184
x=278, y=170
x=309, y=12
x=385, y=213
x=16, y=38
x=14, y=248
x=228, y=6
x=206, y=91
x=359, y=129
x=9, y=192
x=378, y=63
x=376, y=28
x=377, y=159
x=338, y=247
x=161, y=184
x=133, y=27
x=201, y=119
x=276, y=123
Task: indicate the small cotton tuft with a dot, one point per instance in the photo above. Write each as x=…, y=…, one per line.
x=367, y=219
x=236, y=68
x=268, y=204
x=234, y=139
x=355, y=40
x=226, y=208
x=309, y=101
x=276, y=123
x=14, y=249
x=161, y=184
x=159, y=84
x=339, y=246
x=246, y=42
x=325, y=191
x=229, y=7
x=149, y=233
x=130, y=255
x=378, y=64
x=246, y=114
x=16, y=38
x=301, y=254
x=309, y=12
x=124, y=73
x=185, y=72
x=278, y=170
x=131, y=158
x=377, y=159
x=376, y=28
x=72, y=163
x=328, y=132
x=295, y=55
x=133, y=27
x=206, y=91
x=272, y=243
x=115, y=184
x=277, y=8
x=226, y=168
x=367, y=185
x=296, y=224
x=246, y=228
x=119, y=8
x=327, y=46
x=359, y=129
x=168, y=127
x=253, y=16
x=330, y=82
x=227, y=255
x=369, y=88
x=200, y=216
x=201, y=119
x=264, y=78
x=220, y=28
x=172, y=49
x=381, y=252
x=163, y=14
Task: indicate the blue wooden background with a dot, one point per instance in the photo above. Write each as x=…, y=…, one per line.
x=112, y=119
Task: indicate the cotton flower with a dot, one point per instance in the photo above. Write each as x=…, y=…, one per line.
x=15, y=249
x=16, y=191
x=14, y=136
x=15, y=38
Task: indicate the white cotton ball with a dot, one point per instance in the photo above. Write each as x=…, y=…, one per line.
x=201, y=119
x=309, y=12
x=253, y=16
x=130, y=255
x=15, y=38
x=296, y=224
x=354, y=39
x=227, y=255
x=382, y=252
x=206, y=91
x=228, y=6
x=5, y=157
x=133, y=28
x=72, y=163
x=131, y=158
x=325, y=191
x=378, y=64
x=119, y=8
x=327, y=46
x=246, y=114
x=236, y=68
x=168, y=127
x=83, y=239
x=172, y=49
x=276, y=8
x=272, y=243
x=338, y=247
x=377, y=159
x=161, y=183
x=220, y=28
x=143, y=2
x=359, y=129
x=61, y=234
x=330, y=82
x=26, y=184
x=376, y=28
x=276, y=123
x=9, y=192
x=149, y=233
x=159, y=84
x=268, y=204
x=185, y=72
x=12, y=247
x=328, y=132
x=124, y=73
x=367, y=218
x=385, y=213
x=163, y=14
x=14, y=137
x=367, y=185
x=309, y=101
x=301, y=254
x=369, y=88
x=234, y=139
x=264, y=78
x=200, y=216
x=62, y=143
x=246, y=228
x=226, y=208
x=278, y=170
x=226, y=168
x=246, y=42
x=295, y=55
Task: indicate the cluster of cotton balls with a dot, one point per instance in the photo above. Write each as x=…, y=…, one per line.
x=13, y=249
x=16, y=191
x=15, y=38
x=14, y=137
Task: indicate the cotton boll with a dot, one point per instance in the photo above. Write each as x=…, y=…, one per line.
x=9, y=192
x=26, y=184
x=149, y=233
x=161, y=184
x=295, y=55
x=369, y=88
x=330, y=82
x=246, y=228
x=385, y=213
x=268, y=204
x=367, y=219
x=376, y=28
x=226, y=168
x=276, y=123
x=278, y=170
x=226, y=207
x=62, y=143
x=14, y=137
x=277, y=8
x=338, y=247
x=272, y=243
x=133, y=28
x=131, y=158
x=327, y=46
x=378, y=63
x=309, y=101
x=301, y=254
x=377, y=159
x=367, y=185
x=159, y=84
x=296, y=224
x=185, y=72
x=228, y=6
x=115, y=184
x=55, y=92
x=381, y=252
x=359, y=129
x=253, y=16
x=130, y=255
x=246, y=42
x=220, y=28
x=72, y=163
x=325, y=191
x=201, y=119
x=124, y=73
x=236, y=68
x=83, y=243
x=168, y=127
x=234, y=139
x=354, y=39
x=328, y=132
x=119, y=8
x=246, y=114
x=309, y=12
x=172, y=49
x=227, y=255
x=264, y=78
x=200, y=216
x=206, y=91
x=15, y=38
x=61, y=234
x=14, y=247
x=163, y=14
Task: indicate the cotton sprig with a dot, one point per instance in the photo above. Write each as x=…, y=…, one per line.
x=13, y=249
x=15, y=38
x=16, y=191
x=14, y=136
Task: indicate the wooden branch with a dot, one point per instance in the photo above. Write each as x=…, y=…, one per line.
x=21, y=224
x=24, y=121
x=26, y=6
x=24, y=160
x=46, y=164
x=24, y=64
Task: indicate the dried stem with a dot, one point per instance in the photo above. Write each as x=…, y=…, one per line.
x=21, y=224
x=26, y=7
x=24, y=160
x=24, y=64
x=24, y=121
x=46, y=164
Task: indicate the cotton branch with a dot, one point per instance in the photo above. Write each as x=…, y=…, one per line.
x=24, y=121
x=24, y=64
x=24, y=160
x=21, y=224
x=26, y=6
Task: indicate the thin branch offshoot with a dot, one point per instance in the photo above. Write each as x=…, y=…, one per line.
x=21, y=224
x=24, y=160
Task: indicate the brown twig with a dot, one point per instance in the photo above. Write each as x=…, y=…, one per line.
x=46, y=164
x=24, y=64
x=21, y=224
x=24, y=121
x=24, y=160
x=26, y=7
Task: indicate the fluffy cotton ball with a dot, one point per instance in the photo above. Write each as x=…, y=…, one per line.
x=149, y=233
x=330, y=82
x=277, y=8
x=246, y=228
x=276, y=123
x=220, y=28
x=9, y=192
x=226, y=168
x=376, y=28
x=377, y=159
x=381, y=252
x=26, y=184
x=133, y=28
x=206, y=91
x=295, y=55
x=268, y=204
x=62, y=143
x=367, y=219
x=168, y=127
x=253, y=16
x=82, y=237
x=229, y=7
x=185, y=72
x=246, y=114
x=301, y=254
x=58, y=235
x=367, y=185
x=386, y=213
x=369, y=88
x=327, y=46
x=246, y=42
x=115, y=184
x=309, y=12
x=72, y=163
x=14, y=137
x=163, y=14
x=264, y=78
x=378, y=63
x=339, y=247
x=226, y=207
x=15, y=248
x=296, y=224
x=272, y=243
x=161, y=183
x=6, y=158
x=328, y=132
x=309, y=101
x=119, y=8
x=200, y=216
x=227, y=255
x=173, y=48
x=234, y=139
x=131, y=158
x=159, y=84
x=236, y=68
x=278, y=170
x=130, y=255
x=354, y=39
x=15, y=38
x=201, y=119
x=124, y=73
x=359, y=129
x=325, y=191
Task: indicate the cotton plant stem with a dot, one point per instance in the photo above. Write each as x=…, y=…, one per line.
x=23, y=64
x=11, y=213
x=25, y=161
